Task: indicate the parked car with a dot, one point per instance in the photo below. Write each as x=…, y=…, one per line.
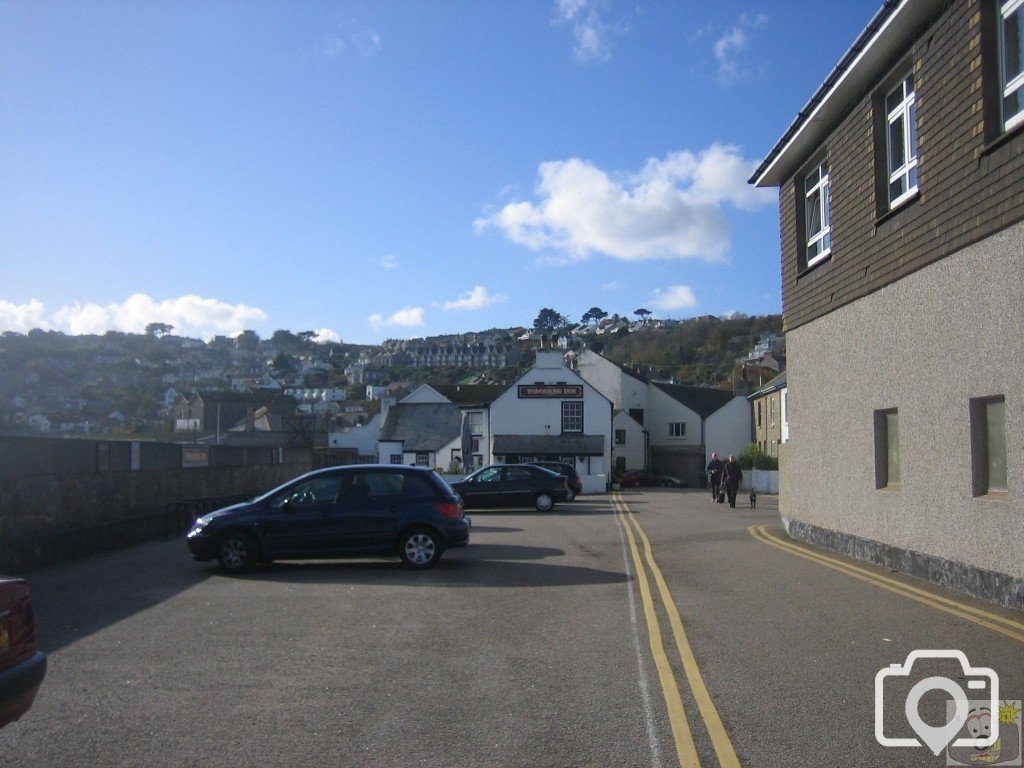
x=648, y=478
x=572, y=478
x=22, y=664
x=512, y=485
x=358, y=510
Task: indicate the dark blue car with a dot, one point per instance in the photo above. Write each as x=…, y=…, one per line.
x=351, y=511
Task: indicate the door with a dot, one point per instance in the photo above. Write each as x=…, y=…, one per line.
x=484, y=490
x=518, y=486
x=301, y=519
x=368, y=511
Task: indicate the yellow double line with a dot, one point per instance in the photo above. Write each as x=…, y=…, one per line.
x=685, y=747
x=995, y=622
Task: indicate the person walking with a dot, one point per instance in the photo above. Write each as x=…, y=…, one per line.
x=731, y=476
x=714, y=472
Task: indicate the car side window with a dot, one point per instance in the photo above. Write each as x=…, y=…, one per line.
x=322, y=490
x=516, y=474
x=366, y=486
x=492, y=475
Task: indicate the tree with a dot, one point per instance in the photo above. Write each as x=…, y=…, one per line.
x=247, y=340
x=306, y=337
x=594, y=313
x=282, y=363
x=548, y=320
x=158, y=329
x=643, y=314
x=283, y=339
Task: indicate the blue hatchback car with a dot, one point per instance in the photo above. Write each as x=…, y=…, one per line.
x=351, y=511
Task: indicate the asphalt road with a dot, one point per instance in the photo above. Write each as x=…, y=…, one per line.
x=552, y=640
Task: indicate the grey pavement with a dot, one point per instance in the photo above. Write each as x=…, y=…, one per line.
x=526, y=648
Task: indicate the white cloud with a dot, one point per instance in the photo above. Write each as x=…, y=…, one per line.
x=190, y=316
x=389, y=262
x=478, y=298
x=326, y=336
x=407, y=317
x=729, y=48
x=589, y=31
x=614, y=285
x=675, y=297
x=670, y=208
x=22, y=318
x=365, y=42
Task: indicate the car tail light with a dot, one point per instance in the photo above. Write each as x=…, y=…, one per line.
x=450, y=509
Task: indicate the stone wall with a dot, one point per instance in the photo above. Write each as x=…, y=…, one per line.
x=61, y=499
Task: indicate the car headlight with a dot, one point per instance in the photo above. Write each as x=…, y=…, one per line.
x=198, y=526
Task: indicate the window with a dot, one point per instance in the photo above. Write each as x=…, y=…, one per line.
x=572, y=416
x=887, y=449
x=620, y=463
x=396, y=458
x=620, y=437
x=422, y=459
x=817, y=223
x=1011, y=62
x=476, y=422
x=677, y=429
x=988, y=445
x=771, y=409
x=759, y=413
x=901, y=141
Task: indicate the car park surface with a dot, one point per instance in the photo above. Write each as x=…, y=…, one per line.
x=22, y=665
x=512, y=485
x=349, y=511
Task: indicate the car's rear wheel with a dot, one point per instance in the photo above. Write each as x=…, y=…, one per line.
x=544, y=502
x=420, y=548
x=571, y=495
x=238, y=551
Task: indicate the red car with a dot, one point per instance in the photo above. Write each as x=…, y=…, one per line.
x=649, y=478
x=22, y=665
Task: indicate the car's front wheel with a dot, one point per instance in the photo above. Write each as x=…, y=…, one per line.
x=544, y=502
x=238, y=551
x=420, y=548
x=571, y=495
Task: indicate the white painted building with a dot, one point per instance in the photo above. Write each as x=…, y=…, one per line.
x=552, y=413
x=684, y=424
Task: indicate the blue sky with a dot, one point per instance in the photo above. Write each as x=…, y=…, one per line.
x=395, y=169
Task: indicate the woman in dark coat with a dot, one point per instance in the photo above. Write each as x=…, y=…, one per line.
x=731, y=476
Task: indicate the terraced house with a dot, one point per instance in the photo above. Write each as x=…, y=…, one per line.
x=901, y=194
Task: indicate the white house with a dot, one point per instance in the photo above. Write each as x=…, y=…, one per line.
x=683, y=423
x=552, y=413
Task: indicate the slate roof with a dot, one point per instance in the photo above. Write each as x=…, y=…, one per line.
x=773, y=384
x=570, y=445
x=703, y=401
x=470, y=394
x=422, y=426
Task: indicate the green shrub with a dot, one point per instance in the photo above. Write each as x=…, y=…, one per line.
x=753, y=457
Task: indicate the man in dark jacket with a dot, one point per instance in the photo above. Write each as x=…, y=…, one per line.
x=714, y=472
x=731, y=476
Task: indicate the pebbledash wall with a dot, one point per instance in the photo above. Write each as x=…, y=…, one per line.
x=925, y=345
x=61, y=499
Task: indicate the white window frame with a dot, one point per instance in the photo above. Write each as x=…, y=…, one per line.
x=422, y=458
x=907, y=110
x=572, y=414
x=677, y=429
x=476, y=422
x=1016, y=85
x=822, y=237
